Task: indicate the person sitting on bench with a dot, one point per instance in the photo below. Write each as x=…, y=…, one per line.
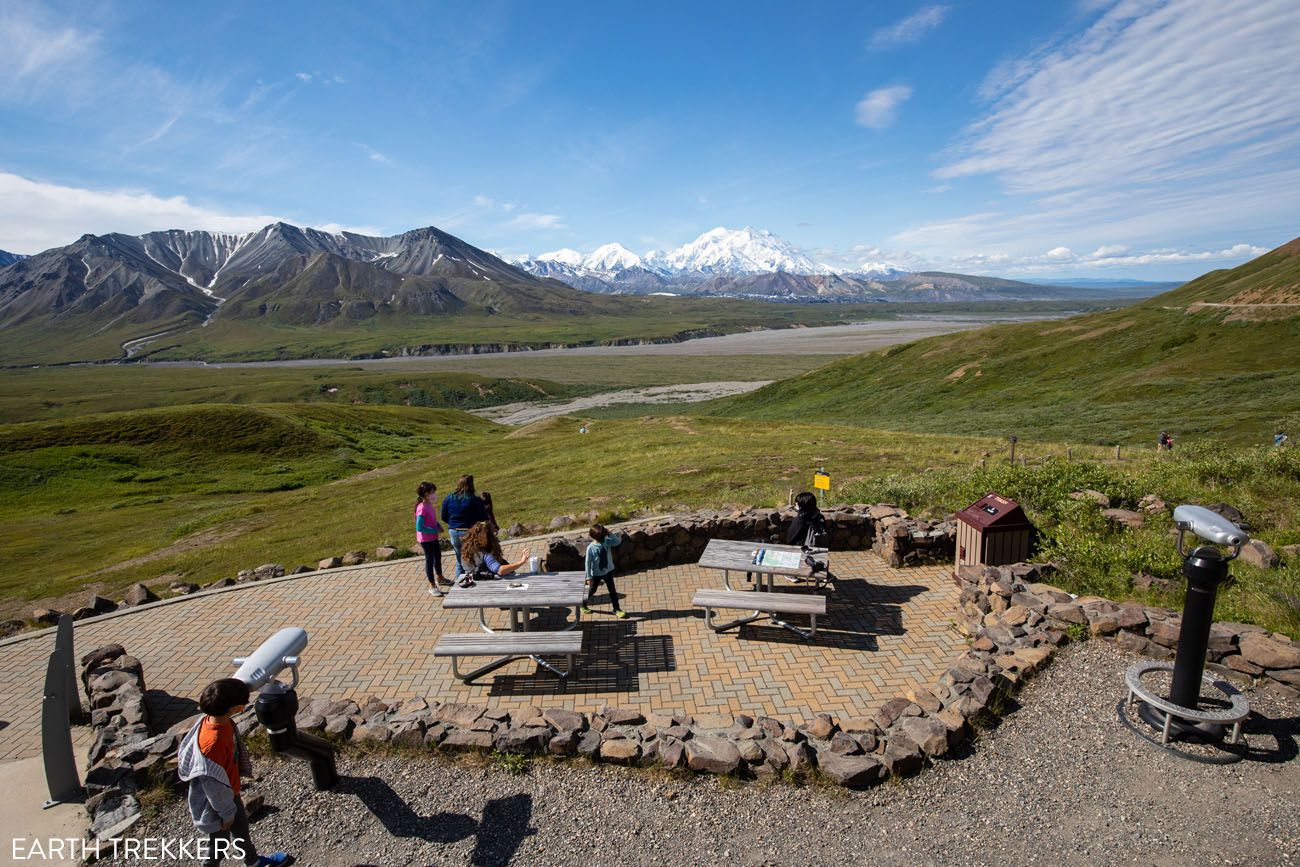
x=808, y=529
x=481, y=553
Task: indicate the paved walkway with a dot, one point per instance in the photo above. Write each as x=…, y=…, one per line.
x=372, y=631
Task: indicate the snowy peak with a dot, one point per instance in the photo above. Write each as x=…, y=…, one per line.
x=565, y=256
x=611, y=257
x=741, y=251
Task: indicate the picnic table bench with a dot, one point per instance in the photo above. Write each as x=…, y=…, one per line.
x=509, y=646
x=763, y=604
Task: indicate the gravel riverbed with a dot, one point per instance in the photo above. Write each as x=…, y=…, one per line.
x=1058, y=781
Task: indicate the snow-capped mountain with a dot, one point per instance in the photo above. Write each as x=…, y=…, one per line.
x=720, y=257
x=738, y=251
x=7, y=258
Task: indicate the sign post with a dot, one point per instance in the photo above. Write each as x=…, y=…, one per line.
x=822, y=483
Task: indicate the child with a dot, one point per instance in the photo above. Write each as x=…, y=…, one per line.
x=426, y=533
x=600, y=567
x=212, y=759
x=481, y=555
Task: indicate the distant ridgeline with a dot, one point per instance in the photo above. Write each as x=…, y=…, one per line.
x=1213, y=358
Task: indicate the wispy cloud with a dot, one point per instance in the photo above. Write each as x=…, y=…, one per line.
x=302, y=76
x=1161, y=119
x=374, y=155
x=910, y=30
x=536, y=222
x=879, y=108
x=37, y=50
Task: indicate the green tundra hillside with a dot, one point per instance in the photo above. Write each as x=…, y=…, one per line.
x=1216, y=357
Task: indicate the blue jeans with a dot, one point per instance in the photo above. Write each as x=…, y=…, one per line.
x=456, y=535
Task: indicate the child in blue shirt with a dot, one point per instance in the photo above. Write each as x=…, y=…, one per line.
x=600, y=567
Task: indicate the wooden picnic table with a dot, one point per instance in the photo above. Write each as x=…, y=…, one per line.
x=731, y=556
x=519, y=594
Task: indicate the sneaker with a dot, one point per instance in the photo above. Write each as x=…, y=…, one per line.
x=434, y=591
x=620, y=613
x=585, y=610
x=275, y=859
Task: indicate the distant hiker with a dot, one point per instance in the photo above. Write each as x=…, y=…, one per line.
x=1165, y=442
x=492, y=515
x=600, y=567
x=582, y=429
x=461, y=510
x=481, y=553
x=213, y=760
x=426, y=533
x=1279, y=439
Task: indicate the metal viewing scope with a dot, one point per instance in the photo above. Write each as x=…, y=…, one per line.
x=277, y=703
x=277, y=653
x=1210, y=526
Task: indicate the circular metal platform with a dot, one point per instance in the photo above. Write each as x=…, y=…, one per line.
x=1233, y=715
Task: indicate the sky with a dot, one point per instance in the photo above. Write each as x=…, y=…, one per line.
x=1151, y=139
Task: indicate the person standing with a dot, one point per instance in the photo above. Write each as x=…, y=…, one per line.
x=462, y=509
x=213, y=760
x=427, y=534
x=600, y=567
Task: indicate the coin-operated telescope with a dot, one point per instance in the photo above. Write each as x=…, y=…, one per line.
x=277, y=703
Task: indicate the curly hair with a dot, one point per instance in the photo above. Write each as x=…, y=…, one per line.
x=479, y=539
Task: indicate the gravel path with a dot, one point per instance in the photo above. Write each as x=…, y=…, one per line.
x=1060, y=781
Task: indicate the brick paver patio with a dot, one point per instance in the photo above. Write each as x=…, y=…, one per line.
x=372, y=632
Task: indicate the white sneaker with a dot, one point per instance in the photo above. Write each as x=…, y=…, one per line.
x=434, y=591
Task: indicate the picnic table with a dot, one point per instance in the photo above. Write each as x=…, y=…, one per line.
x=768, y=561
x=732, y=556
x=520, y=595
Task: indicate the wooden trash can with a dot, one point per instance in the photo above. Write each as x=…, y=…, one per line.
x=993, y=531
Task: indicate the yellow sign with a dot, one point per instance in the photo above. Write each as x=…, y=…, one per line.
x=822, y=481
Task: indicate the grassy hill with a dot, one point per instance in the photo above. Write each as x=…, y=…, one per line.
x=1172, y=362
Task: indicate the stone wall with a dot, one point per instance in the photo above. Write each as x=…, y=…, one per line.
x=899, y=539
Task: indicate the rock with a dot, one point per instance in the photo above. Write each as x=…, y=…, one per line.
x=1164, y=632
x=565, y=720
x=711, y=754
x=354, y=558
x=301, y=569
x=1288, y=676
x=1151, y=504
x=751, y=752
x=1145, y=581
x=902, y=755
x=564, y=744
x=801, y=757
x=138, y=594
x=589, y=744
x=714, y=721
x=408, y=733
x=267, y=571
x=1237, y=662
x=559, y=522
x=1269, y=653
x=182, y=588
x=339, y=726
x=46, y=616
x=460, y=715
x=1232, y=514
x=11, y=627
x=619, y=716
x=853, y=771
x=1131, y=642
x=115, y=814
x=1289, y=553
x=672, y=754
x=1258, y=554
x=253, y=804
x=100, y=605
x=330, y=563
x=1125, y=518
x=460, y=739
x=858, y=725
x=820, y=727
x=1090, y=495
x=83, y=613
x=844, y=745
x=622, y=752
x=515, y=530
x=927, y=732
x=523, y=739
x=385, y=552
x=1066, y=612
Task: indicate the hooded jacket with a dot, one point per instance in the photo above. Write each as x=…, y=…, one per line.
x=211, y=798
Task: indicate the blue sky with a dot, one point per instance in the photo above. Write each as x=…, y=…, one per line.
x=1146, y=138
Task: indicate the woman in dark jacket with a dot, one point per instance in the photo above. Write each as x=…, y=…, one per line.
x=462, y=509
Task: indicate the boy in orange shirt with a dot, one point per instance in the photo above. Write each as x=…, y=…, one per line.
x=212, y=759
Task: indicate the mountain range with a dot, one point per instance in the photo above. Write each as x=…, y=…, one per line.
x=7, y=258
x=753, y=263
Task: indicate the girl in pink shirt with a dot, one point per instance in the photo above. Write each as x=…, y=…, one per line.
x=426, y=533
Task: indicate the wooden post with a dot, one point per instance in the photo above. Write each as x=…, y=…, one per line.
x=1013, y=453
x=1117, y=457
x=1069, y=455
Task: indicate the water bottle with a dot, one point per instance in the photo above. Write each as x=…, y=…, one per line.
x=534, y=565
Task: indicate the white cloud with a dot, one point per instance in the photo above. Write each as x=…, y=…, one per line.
x=37, y=51
x=482, y=201
x=536, y=221
x=1059, y=254
x=36, y=216
x=938, y=188
x=911, y=29
x=375, y=155
x=302, y=76
x=879, y=108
